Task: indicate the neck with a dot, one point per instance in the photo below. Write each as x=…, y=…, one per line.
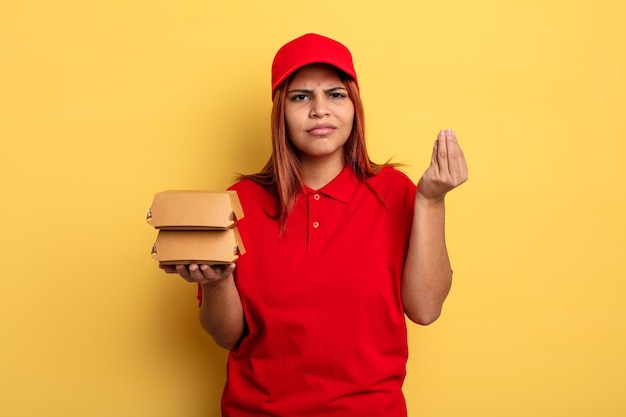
x=317, y=172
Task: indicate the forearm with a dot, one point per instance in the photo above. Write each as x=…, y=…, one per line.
x=221, y=313
x=427, y=275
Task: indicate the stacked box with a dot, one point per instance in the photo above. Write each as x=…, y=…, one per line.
x=196, y=227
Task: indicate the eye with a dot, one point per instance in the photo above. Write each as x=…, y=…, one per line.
x=298, y=97
x=337, y=94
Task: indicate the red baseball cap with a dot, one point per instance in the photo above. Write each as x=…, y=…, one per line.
x=310, y=49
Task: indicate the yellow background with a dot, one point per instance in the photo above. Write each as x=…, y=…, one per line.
x=104, y=103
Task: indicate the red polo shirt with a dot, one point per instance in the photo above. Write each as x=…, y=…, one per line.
x=327, y=331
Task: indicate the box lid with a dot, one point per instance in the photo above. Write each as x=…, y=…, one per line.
x=198, y=246
x=195, y=210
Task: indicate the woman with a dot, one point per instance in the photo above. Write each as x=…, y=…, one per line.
x=338, y=251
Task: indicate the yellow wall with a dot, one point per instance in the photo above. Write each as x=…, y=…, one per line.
x=104, y=103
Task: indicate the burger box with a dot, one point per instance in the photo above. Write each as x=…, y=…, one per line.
x=212, y=247
x=195, y=210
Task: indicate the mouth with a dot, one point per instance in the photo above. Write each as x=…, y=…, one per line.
x=321, y=130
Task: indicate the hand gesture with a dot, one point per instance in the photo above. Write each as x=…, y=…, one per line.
x=202, y=274
x=447, y=169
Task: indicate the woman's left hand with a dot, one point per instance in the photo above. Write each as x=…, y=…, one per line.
x=447, y=169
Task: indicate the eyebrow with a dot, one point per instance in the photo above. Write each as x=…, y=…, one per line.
x=306, y=91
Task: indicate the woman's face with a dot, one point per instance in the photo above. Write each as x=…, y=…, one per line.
x=318, y=112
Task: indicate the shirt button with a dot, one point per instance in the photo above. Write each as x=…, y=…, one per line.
x=316, y=196
x=316, y=225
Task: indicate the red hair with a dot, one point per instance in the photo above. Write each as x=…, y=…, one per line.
x=281, y=176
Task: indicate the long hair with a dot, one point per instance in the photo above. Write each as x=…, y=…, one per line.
x=282, y=174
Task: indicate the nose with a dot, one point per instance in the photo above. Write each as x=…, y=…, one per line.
x=319, y=108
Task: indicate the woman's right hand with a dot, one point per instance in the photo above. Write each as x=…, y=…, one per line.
x=200, y=273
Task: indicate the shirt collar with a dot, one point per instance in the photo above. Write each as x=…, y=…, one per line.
x=341, y=188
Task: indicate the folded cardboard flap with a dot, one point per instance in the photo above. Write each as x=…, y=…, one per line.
x=195, y=210
x=198, y=246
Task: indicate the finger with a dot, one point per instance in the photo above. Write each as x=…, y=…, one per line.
x=454, y=150
x=209, y=273
x=183, y=271
x=218, y=272
x=442, y=154
x=452, y=147
x=461, y=174
x=168, y=269
x=196, y=273
x=456, y=160
x=227, y=270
